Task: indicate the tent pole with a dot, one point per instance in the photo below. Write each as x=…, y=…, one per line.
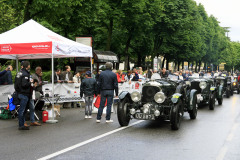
x=52, y=120
x=91, y=63
x=17, y=64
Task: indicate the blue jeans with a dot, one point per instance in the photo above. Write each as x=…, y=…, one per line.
x=88, y=107
x=23, y=103
x=31, y=108
x=105, y=94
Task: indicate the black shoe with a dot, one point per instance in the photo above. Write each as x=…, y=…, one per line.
x=23, y=128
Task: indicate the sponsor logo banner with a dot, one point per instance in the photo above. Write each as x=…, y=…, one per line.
x=26, y=48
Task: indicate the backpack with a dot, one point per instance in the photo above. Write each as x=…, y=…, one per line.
x=17, y=83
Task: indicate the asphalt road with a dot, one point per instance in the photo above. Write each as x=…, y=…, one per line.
x=214, y=135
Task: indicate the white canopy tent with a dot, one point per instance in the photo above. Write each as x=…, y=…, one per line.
x=33, y=41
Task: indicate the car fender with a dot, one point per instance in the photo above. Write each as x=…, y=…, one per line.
x=175, y=97
x=123, y=94
x=193, y=93
x=212, y=89
x=220, y=91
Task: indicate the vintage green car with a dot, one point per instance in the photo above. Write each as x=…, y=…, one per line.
x=160, y=99
x=206, y=91
x=235, y=85
x=225, y=82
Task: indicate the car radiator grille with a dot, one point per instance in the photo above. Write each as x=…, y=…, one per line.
x=195, y=85
x=148, y=93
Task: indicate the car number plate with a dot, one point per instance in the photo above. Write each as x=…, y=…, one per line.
x=144, y=116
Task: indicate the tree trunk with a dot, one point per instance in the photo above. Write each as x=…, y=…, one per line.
x=167, y=61
x=199, y=67
x=109, y=38
x=175, y=66
x=196, y=67
x=163, y=61
x=182, y=64
x=126, y=65
x=178, y=63
x=139, y=60
x=204, y=66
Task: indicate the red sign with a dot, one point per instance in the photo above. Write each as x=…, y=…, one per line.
x=26, y=48
x=136, y=85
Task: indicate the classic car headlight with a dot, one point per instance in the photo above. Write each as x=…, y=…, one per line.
x=135, y=96
x=159, y=97
x=234, y=83
x=202, y=85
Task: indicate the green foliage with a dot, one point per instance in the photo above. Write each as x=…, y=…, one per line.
x=179, y=30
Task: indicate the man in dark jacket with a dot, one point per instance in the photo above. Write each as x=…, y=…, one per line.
x=2, y=74
x=106, y=85
x=164, y=73
x=57, y=76
x=67, y=75
x=23, y=88
x=89, y=89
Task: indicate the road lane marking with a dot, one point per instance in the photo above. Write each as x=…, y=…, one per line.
x=87, y=141
x=222, y=154
x=230, y=136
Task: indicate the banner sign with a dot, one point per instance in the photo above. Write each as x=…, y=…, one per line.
x=26, y=48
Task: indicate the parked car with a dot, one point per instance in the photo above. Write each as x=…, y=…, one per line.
x=166, y=98
x=235, y=85
x=206, y=91
x=220, y=88
x=227, y=85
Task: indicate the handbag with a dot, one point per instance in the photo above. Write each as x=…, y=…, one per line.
x=97, y=102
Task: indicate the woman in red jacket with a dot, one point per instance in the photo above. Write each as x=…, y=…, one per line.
x=120, y=77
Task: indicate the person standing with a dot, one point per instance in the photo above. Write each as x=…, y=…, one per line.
x=164, y=73
x=76, y=78
x=89, y=89
x=2, y=75
x=67, y=75
x=7, y=77
x=57, y=76
x=120, y=77
x=106, y=86
x=23, y=88
x=37, y=77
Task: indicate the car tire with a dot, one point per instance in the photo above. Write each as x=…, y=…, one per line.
x=175, y=117
x=238, y=91
x=227, y=93
x=193, y=112
x=123, y=112
x=220, y=100
x=212, y=101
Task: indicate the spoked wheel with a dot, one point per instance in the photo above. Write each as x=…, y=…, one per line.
x=175, y=117
x=212, y=101
x=193, y=112
x=123, y=112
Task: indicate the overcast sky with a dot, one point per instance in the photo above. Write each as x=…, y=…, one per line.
x=227, y=13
